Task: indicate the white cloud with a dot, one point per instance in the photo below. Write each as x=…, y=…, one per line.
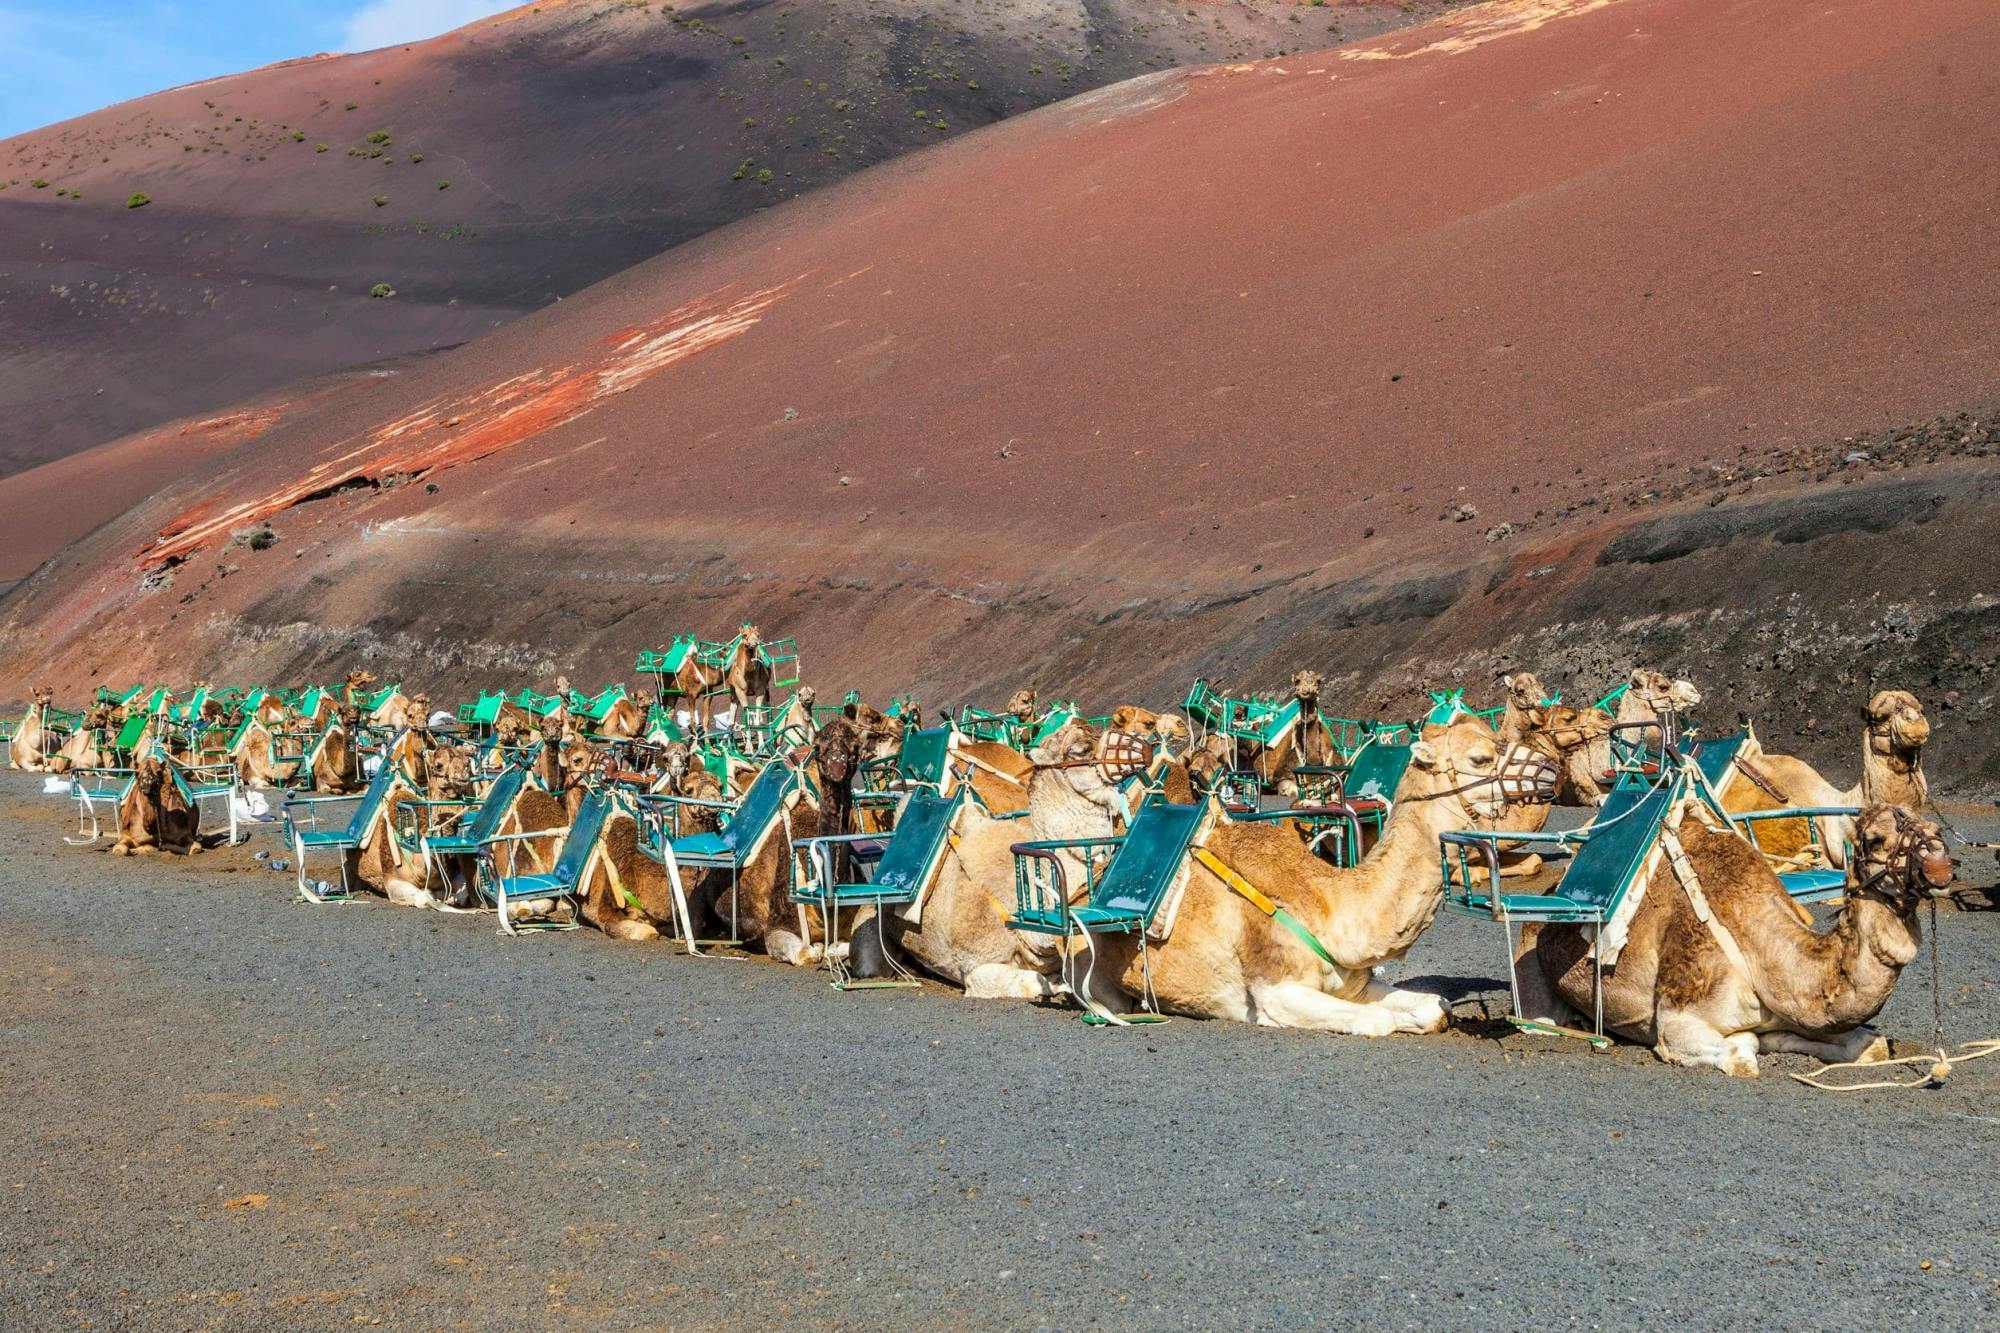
x=388, y=22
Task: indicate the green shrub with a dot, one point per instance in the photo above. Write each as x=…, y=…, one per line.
x=39, y=183
x=138, y=200
x=765, y=177
x=352, y=105
x=379, y=136
x=263, y=539
x=381, y=291
x=444, y=185
x=298, y=136
x=381, y=201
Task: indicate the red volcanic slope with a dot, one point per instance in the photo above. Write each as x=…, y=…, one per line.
x=1162, y=342
x=489, y=172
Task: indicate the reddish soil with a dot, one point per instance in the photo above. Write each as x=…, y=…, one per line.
x=490, y=172
x=1195, y=372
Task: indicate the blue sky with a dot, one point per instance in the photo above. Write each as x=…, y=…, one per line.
x=61, y=58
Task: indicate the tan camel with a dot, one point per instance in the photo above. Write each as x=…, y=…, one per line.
x=154, y=816
x=798, y=725
x=1754, y=976
x=626, y=719
x=27, y=750
x=86, y=746
x=1225, y=958
x=1579, y=739
x=1307, y=745
x=336, y=763
x=1894, y=732
x=748, y=676
x=959, y=932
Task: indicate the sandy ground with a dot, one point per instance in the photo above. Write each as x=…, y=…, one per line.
x=224, y=1110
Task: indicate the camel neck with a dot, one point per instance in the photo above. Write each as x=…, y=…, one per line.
x=1891, y=774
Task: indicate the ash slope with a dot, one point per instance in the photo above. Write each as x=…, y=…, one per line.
x=490, y=172
x=1196, y=373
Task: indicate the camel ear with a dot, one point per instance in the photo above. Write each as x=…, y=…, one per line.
x=1423, y=754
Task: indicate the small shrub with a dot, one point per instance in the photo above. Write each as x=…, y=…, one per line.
x=319, y=148
x=298, y=136
x=39, y=183
x=379, y=136
x=352, y=105
x=381, y=201
x=381, y=291
x=765, y=177
x=444, y=185
x=416, y=158
x=139, y=199
x=263, y=539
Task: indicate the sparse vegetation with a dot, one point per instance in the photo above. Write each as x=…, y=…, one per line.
x=263, y=539
x=381, y=291
x=139, y=199
x=444, y=185
x=381, y=201
x=39, y=183
x=352, y=105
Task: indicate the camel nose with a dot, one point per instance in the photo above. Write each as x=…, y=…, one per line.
x=1936, y=864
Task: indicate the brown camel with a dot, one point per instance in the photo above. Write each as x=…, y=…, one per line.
x=336, y=762
x=1225, y=958
x=86, y=746
x=1309, y=744
x=154, y=816
x=1718, y=966
x=1894, y=732
x=626, y=719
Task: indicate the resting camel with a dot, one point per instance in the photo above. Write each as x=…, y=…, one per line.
x=1894, y=732
x=1307, y=745
x=626, y=719
x=154, y=816
x=86, y=746
x=1760, y=978
x=1224, y=958
x=27, y=751
x=959, y=931
x=1578, y=740
x=336, y=762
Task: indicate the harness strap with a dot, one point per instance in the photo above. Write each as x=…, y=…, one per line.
x=1259, y=900
x=1758, y=780
x=618, y=883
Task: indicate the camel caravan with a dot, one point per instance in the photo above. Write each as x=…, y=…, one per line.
x=1248, y=858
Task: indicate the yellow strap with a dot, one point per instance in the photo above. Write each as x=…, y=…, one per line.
x=1235, y=881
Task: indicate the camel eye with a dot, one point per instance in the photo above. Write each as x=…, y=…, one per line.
x=1482, y=761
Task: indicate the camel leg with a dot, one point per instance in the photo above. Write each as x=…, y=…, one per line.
x=1689, y=1040
x=405, y=894
x=1539, y=1000
x=787, y=947
x=1425, y=1009
x=1004, y=981
x=1864, y=1045
x=1294, y=1004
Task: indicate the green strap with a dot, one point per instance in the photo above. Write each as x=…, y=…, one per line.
x=1297, y=927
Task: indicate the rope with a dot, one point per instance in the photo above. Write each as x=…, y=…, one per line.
x=1936, y=1068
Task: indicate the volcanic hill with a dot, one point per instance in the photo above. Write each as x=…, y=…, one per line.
x=494, y=170
x=1560, y=333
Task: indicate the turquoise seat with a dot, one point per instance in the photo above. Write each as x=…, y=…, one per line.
x=1814, y=886
x=485, y=821
x=747, y=822
x=341, y=838
x=1126, y=894
x=908, y=860
x=564, y=878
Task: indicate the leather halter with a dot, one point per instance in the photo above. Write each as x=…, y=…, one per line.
x=1910, y=861
x=1526, y=777
x=1119, y=755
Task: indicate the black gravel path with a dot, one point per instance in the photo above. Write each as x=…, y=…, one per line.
x=223, y=1110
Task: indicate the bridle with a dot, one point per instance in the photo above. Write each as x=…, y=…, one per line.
x=1116, y=756
x=1526, y=777
x=1911, y=861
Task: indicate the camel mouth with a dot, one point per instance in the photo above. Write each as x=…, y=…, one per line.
x=1935, y=864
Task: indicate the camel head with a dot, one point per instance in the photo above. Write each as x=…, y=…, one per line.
x=1023, y=704
x=673, y=763
x=1524, y=690
x=1457, y=769
x=1898, y=858
x=575, y=755
x=1131, y=717
x=836, y=754
x=1661, y=692
x=44, y=696
x=641, y=700
x=752, y=640
x=149, y=775
x=1075, y=754
x=452, y=768
x=1305, y=686
x=360, y=680
x=805, y=697
x=1896, y=722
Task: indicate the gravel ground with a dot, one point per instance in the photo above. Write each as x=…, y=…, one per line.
x=226, y=1110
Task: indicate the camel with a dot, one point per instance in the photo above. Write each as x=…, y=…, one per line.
x=28, y=749
x=1756, y=977
x=959, y=931
x=86, y=746
x=748, y=675
x=336, y=762
x=154, y=816
x=626, y=719
x=1307, y=745
x=259, y=764
x=1894, y=732
x=1226, y=958
x=797, y=725
x=1578, y=740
